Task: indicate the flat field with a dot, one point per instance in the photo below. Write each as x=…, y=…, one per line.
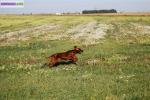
x=115, y=64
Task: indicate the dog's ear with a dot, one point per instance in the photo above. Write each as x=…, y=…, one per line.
x=75, y=47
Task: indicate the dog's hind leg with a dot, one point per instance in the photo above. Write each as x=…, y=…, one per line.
x=53, y=62
x=46, y=64
x=50, y=65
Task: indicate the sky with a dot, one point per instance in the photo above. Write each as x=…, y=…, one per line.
x=59, y=6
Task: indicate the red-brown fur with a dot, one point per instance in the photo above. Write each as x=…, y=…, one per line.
x=66, y=56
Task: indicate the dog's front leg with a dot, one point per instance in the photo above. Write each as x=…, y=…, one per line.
x=74, y=60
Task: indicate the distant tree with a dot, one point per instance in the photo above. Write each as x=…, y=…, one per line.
x=98, y=11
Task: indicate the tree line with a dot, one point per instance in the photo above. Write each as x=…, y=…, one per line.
x=99, y=11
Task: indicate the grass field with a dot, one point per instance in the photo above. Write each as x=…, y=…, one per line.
x=115, y=64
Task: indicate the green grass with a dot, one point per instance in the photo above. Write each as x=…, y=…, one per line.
x=121, y=70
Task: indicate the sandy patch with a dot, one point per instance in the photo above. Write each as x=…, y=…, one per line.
x=142, y=29
x=88, y=33
x=28, y=33
x=95, y=61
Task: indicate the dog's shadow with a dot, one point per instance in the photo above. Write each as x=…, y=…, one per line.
x=59, y=63
x=65, y=63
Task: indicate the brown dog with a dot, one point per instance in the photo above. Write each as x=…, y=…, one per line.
x=66, y=56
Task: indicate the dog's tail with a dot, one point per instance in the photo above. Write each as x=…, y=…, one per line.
x=47, y=63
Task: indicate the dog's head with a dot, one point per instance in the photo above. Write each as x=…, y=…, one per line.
x=78, y=50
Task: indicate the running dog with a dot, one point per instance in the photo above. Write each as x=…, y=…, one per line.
x=69, y=56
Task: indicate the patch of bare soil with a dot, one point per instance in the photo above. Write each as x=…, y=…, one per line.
x=142, y=29
x=88, y=33
x=95, y=61
x=27, y=34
